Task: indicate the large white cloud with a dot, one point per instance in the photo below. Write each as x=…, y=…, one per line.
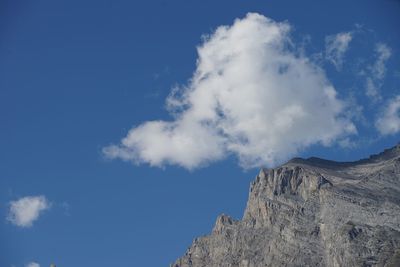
x=24, y=211
x=252, y=95
x=389, y=120
x=336, y=46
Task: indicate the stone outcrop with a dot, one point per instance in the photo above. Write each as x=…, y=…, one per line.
x=312, y=212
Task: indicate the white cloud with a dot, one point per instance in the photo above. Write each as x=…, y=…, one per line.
x=383, y=54
x=389, y=120
x=33, y=264
x=372, y=89
x=24, y=211
x=252, y=95
x=336, y=46
x=347, y=143
x=377, y=72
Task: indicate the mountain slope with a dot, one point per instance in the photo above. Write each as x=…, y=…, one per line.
x=312, y=212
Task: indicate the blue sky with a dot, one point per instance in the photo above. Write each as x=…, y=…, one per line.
x=77, y=76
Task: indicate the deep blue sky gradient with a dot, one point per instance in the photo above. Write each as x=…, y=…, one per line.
x=75, y=76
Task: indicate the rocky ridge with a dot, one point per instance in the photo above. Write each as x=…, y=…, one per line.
x=312, y=212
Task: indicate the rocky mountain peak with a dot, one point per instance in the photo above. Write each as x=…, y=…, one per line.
x=289, y=179
x=312, y=212
x=223, y=222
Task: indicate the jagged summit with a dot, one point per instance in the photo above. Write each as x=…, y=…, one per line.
x=312, y=212
x=387, y=154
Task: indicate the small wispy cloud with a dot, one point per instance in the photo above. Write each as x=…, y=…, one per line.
x=376, y=72
x=33, y=264
x=389, y=120
x=24, y=211
x=336, y=46
x=383, y=54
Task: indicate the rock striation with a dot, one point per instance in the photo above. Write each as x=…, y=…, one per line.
x=312, y=212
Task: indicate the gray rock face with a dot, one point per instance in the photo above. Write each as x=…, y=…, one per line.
x=312, y=212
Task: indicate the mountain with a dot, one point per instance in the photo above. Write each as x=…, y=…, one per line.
x=312, y=212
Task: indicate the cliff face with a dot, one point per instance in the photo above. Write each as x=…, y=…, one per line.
x=312, y=212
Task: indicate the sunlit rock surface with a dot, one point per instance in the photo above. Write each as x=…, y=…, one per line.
x=312, y=212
